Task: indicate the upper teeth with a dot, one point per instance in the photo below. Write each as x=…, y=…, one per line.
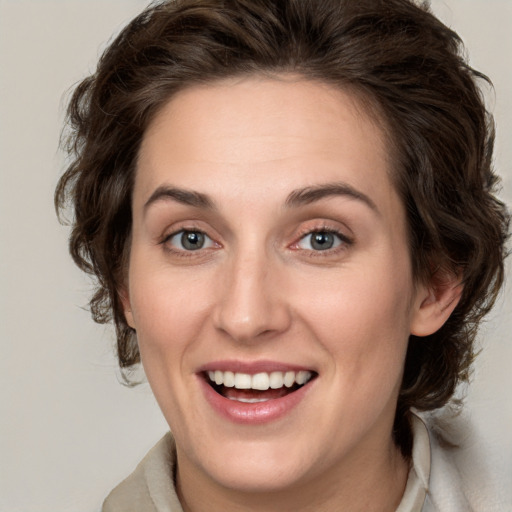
x=259, y=381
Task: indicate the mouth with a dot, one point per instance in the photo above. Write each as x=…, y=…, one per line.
x=259, y=387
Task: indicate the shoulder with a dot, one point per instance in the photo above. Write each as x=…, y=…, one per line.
x=461, y=477
x=151, y=486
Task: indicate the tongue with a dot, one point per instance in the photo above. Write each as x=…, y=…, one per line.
x=269, y=394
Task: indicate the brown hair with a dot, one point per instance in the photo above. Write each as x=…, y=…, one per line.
x=393, y=52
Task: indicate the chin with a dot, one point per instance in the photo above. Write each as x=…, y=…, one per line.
x=273, y=465
x=257, y=474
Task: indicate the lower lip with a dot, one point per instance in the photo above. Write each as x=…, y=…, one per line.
x=257, y=413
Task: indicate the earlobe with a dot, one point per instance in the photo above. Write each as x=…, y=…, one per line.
x=435, y=303
x=127, y=308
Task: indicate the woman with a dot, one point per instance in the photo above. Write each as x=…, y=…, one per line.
x=289, y=210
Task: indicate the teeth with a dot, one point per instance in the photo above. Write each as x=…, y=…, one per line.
x=229, y=379
x=259, y=381
x=302, y=377
x=289, y=379
x=276, y=380
x=242, y=381
x=249, y=400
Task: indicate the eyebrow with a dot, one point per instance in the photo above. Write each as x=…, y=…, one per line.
x=315, y=193
x=296, y=198
x=180, y=195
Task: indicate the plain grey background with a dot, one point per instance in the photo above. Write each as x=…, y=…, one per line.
x=68, y=430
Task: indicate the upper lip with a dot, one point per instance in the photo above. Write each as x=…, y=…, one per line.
x=252, y=367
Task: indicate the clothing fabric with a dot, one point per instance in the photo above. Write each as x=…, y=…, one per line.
x=435, y=482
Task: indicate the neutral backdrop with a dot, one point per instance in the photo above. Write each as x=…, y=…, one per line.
x=69, y=431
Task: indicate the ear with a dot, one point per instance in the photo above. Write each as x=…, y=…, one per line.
x=124, y=296
x=435, y=302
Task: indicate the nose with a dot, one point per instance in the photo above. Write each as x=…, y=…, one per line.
x=251, y=302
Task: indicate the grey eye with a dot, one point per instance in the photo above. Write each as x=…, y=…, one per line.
x=190, y=240
x=320, y=241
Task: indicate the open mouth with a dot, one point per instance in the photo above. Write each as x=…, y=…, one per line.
x=259, y=387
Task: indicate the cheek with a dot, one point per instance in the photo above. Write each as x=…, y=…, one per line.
x=362, y=319
x=169, y=317
x=168, y=312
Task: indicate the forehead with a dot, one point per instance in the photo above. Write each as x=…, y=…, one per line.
x=256, y=132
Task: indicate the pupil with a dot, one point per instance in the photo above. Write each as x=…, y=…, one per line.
x=322, y=241
x=192, y=240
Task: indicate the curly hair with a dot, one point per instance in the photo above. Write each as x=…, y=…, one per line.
x=394, y=54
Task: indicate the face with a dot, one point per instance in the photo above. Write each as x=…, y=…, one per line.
x=270, y=281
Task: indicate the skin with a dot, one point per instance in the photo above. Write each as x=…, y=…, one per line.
x=258, y=290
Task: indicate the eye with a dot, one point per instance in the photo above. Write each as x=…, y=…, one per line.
x=321, y=240
x=189, y=240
